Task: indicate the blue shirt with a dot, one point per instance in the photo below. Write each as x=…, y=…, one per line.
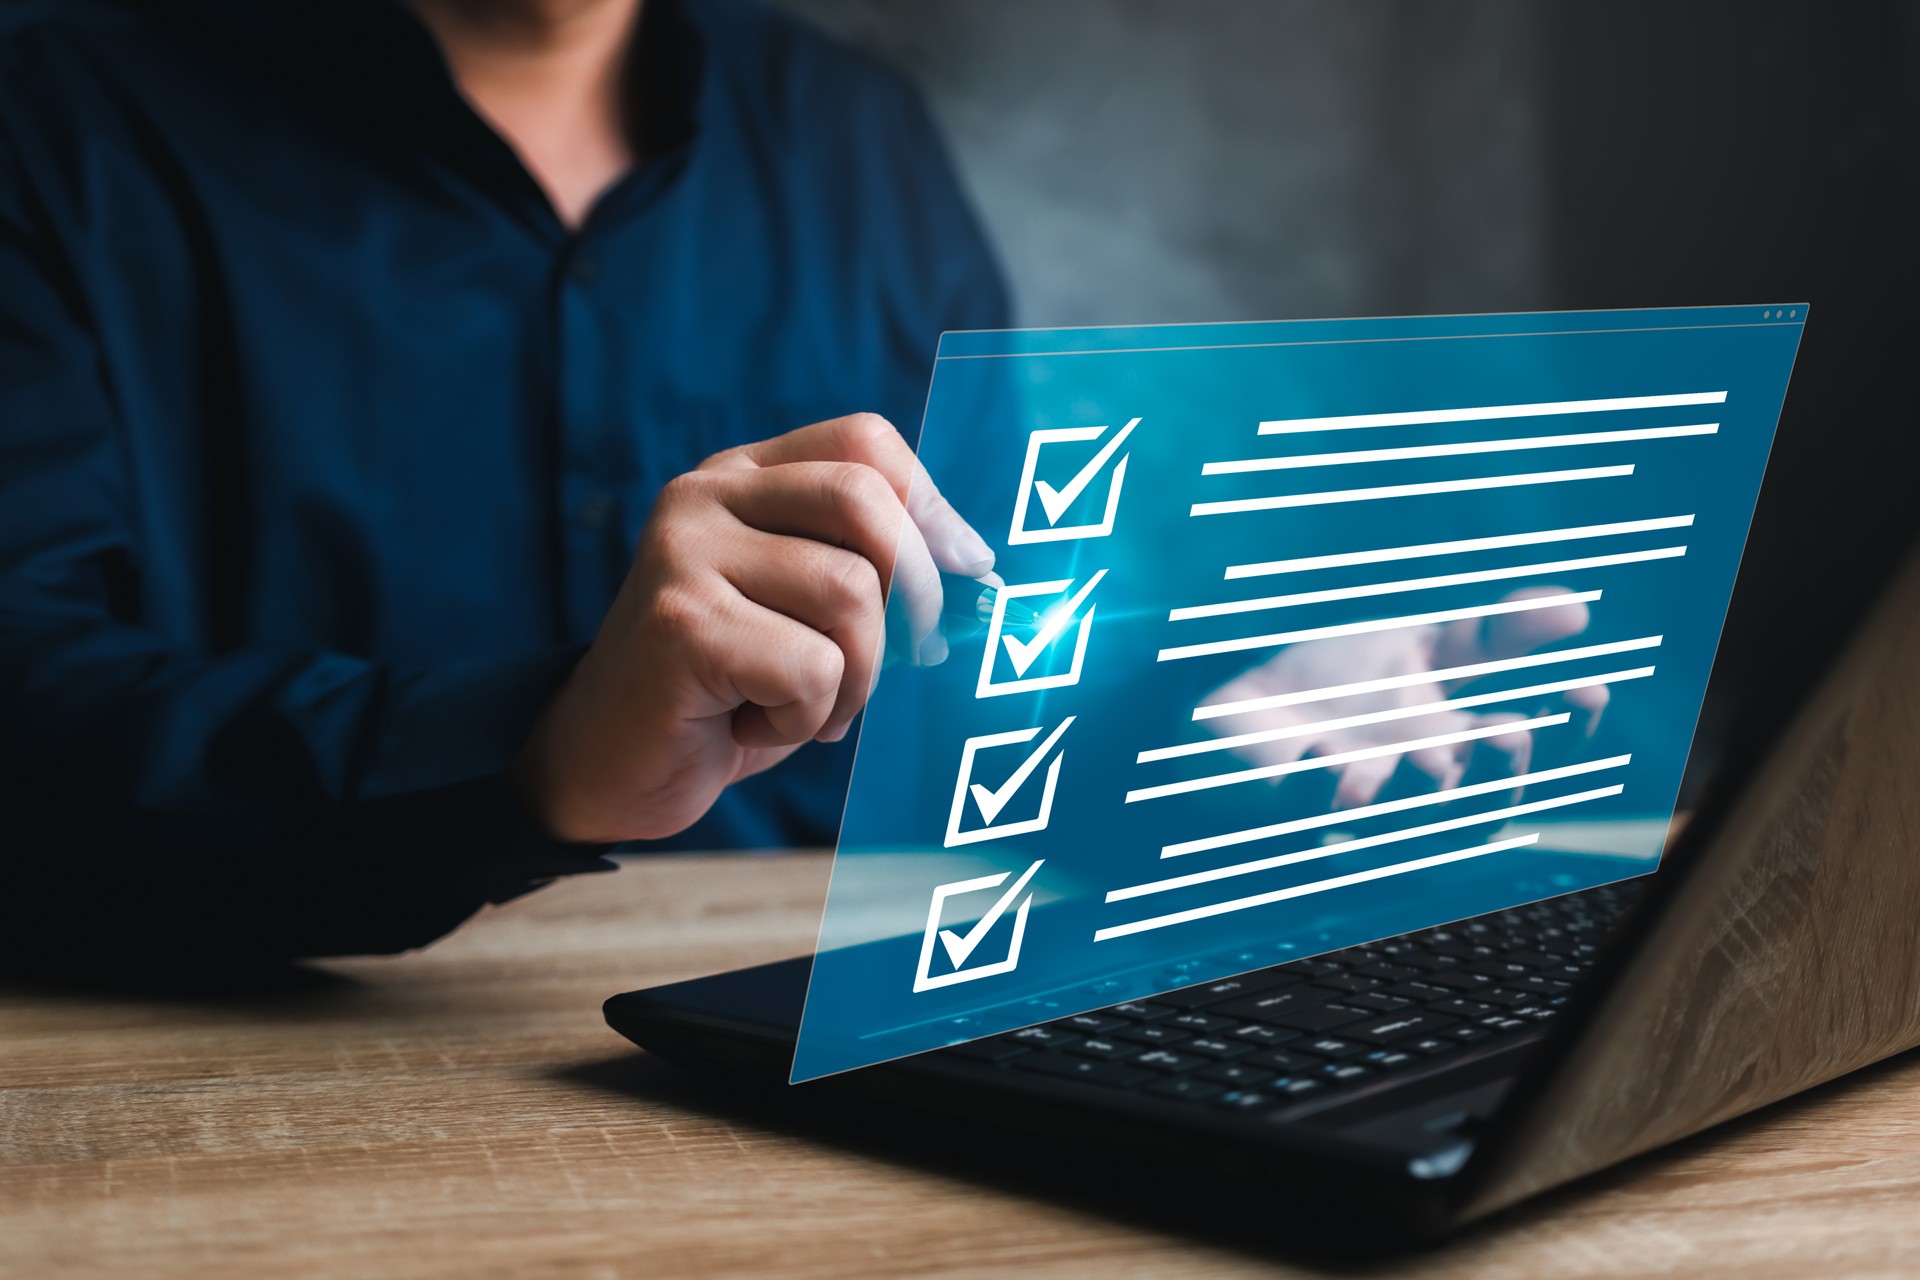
x=324, y=444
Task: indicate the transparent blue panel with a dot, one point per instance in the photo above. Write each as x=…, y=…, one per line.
x=1303, y=639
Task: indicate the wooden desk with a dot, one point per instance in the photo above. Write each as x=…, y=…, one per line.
x=449, y=1113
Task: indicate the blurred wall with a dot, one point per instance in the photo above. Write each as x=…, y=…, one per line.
x=1147, y=161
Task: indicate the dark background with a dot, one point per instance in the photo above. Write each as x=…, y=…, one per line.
x=1144, y=161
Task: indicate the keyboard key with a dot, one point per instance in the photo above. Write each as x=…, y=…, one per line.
x=1330, y=1047
x=1237, y=1073
x=1499, y=966
x=1154, y=1033
x=1322, y=1018
x=1098, y=1048
x=1460, y=980
x=1347, y=982
x=1246, y=1100
x=1042, y=1037
x=1089, y=1024
x=1504, y=999
x=1501, y=1022
x=1139, y=1011
x=1226, y=989
x=1429, y=1046
x=1270, y=1005
x=1186, y=1088
x=1541, y=985
x=1346, y=1072
x=1214, y=1047
x=1277, y=1060
x=1091, y=1070
x=1398, y=1026
x=993, y=1050
x=1417, y=957
x=1200, y=1022
x=1470, y=1035
x=1379, y=1003
x=1299, y=1087
x=1385, y=1060
x=1459, y=1007
x=1424, y=989
x=1167, y=1060
x=1385, y=971
x=1259, y=1033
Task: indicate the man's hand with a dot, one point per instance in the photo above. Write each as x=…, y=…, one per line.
x=1320, y=664
x=750, y=622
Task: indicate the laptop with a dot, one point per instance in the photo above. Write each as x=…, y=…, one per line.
x=1425, y=1081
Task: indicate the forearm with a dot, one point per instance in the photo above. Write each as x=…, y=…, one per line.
x=260, y=801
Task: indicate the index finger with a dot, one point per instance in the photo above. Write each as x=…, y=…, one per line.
x=870, y=439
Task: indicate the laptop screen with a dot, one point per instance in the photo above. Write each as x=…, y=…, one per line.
x=1300, y=635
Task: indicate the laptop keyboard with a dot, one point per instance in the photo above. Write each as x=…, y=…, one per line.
x=1314, y=1030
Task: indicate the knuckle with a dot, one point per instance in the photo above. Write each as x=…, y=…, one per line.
x=721, y=461
x=683, y=530
x=858, y=491
x=684, y=492
x=680, y=609
x=849, y=582
x=674, y=539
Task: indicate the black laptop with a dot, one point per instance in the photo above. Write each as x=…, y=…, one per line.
x=1427, y=1080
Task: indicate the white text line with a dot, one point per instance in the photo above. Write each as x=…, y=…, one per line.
x=1367, y=589
x=1285, y=501
x=1472, y=670
x=1211, y=781
x=1362, y=842
x=1386, y=714
x=1375, y=624
x=1317, y=886
x=1344, y=559
x=1421, y=801
x=1485, y=413
x=1295, y=461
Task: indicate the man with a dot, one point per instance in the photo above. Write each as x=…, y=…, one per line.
x=347, y=353
x=349, y=350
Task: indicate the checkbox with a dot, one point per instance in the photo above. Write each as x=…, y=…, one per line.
x=972, y=797
x=1080, y=484
x=960, y=952
x=1009, y=658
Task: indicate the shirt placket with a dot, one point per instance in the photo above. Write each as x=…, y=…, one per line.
x=589, y=456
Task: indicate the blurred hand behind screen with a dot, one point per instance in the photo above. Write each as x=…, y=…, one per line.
x=1319, y=664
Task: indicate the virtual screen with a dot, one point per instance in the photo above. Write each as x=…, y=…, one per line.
x=1304, y=634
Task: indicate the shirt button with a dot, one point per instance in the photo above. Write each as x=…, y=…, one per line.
x=581, y=269
x=596, y=510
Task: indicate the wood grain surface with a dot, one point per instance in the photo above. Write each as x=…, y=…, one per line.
x=465, y=1112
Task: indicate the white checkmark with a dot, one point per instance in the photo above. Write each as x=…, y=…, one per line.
x=992, y=802
x=1056, y=501
x=1057, y=619
x=959, y=948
